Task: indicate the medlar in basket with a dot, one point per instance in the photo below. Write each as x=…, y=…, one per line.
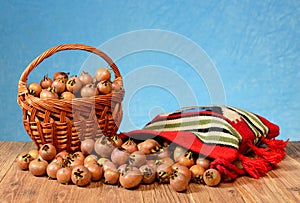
x=67, y=95
x=46, y=82
x=61, y=75
x=104, y=87
x=48, y=94
x=59, y=86
x=34, y=89
x=73, y=85
x=85, y=78
x=102, y=74
x=88, y=90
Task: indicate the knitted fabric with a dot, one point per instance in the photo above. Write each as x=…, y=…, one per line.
x=222, y=133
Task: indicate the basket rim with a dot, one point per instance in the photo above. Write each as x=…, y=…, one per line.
x=22, y=86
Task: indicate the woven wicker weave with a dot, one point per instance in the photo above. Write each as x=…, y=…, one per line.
x=64, y=123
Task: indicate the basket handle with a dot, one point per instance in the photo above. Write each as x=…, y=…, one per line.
x=63, y=47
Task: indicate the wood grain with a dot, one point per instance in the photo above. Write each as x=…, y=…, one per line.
x=9, y=152
x=279, y=185
x=293, y=150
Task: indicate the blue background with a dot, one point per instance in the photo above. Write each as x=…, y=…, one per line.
x=254, y=46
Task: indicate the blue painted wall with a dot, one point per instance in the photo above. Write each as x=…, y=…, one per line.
x=253, y=46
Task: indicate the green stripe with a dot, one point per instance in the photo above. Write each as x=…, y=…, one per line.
x=217, y=139
x=176, y=126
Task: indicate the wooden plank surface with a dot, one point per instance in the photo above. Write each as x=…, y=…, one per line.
x=293, y=150
x=279, y=185
x=8, y=153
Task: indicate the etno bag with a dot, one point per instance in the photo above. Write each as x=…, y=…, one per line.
x=222, y=133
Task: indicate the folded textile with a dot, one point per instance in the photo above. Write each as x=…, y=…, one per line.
x=222, y=133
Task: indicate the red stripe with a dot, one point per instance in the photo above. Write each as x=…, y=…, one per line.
x=274, y=129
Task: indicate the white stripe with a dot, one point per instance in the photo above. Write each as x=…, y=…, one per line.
x=185, y=119
x=207, y=140
x=191, y=127
x=220, y=134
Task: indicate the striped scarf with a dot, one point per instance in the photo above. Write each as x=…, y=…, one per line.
x=222, y=133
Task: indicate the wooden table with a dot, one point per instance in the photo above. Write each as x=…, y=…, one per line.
x=279, y=185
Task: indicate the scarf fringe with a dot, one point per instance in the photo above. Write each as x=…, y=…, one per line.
x=273, y=153
x=227, y=168
x=275, y=144
x=267, y=157
x=256, y=167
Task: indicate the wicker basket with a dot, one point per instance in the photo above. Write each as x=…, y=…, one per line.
x=64, y=123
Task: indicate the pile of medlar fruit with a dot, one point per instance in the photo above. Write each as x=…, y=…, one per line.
x=127, y=163
x=61, y=86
